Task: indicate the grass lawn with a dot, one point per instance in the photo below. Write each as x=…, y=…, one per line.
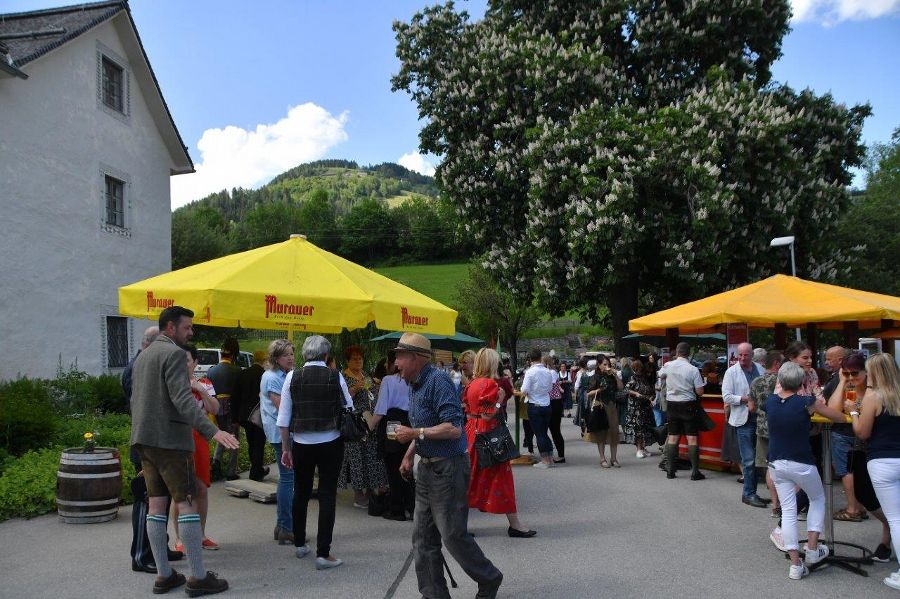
x=437, y=281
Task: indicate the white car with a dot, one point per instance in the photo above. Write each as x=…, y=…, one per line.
x=208, y=357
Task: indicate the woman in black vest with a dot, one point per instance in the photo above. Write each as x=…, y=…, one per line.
x=309, y=418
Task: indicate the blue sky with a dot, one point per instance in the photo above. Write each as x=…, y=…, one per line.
x=258, y=87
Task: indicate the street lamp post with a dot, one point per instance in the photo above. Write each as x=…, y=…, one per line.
x=787, y=241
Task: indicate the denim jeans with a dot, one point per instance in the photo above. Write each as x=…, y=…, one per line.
x=659, y=416
x=539, y=417
x=746, y=437
x=285, y=494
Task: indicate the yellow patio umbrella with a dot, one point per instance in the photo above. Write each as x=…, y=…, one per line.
x=293, y=285
x=775, y=300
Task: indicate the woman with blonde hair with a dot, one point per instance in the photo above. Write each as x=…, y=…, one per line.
x=491, y=489
x=279, y=363
x=878, y=420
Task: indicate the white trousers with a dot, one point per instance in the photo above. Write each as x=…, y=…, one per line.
x=885, y=475
x=788, y=475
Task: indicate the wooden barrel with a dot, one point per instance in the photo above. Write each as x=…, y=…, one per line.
x=88, y=485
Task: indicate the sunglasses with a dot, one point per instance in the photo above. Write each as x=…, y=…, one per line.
x=850, y=372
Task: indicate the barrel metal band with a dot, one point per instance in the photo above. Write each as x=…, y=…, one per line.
x=88, y=514
x=62, y=474
x=66, y=502
x=66, y=462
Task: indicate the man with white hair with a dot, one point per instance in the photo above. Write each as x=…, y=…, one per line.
x=442, y=478
x=736, y=393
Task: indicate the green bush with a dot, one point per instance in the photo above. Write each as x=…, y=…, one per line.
x=72, y=391
x=109, y=396
x=110, y=430
x=27, y=419
x=28, y=484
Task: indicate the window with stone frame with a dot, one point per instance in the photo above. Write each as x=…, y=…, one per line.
x=116, y=342
x=113, y=85
x=115, y=202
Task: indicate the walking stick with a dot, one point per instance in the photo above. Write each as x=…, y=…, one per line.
x=449, y=573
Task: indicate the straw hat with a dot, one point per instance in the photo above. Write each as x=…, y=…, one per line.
x=414, y=343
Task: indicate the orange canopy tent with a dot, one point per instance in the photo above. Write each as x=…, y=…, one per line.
x=779, y=300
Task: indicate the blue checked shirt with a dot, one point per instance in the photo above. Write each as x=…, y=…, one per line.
x=434, y=400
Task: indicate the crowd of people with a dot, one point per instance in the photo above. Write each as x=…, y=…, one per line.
x=414, y=410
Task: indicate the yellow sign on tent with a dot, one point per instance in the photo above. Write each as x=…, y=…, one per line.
x=779, y=299
x=293, y=285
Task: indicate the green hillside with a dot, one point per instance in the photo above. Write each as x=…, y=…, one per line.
x=437, y=281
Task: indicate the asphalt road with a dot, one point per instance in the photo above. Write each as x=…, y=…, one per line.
x=621, y=533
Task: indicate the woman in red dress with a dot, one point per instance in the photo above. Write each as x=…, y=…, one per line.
x=491, y=489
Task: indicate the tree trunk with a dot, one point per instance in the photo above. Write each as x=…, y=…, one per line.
x=622, y=301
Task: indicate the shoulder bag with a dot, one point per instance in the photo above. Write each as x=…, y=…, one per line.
x=495, y=447
x=353, y=427
x=255, y=416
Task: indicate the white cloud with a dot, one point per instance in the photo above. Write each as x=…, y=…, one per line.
x=831, y=12
x=416, y=162
x=234, y=157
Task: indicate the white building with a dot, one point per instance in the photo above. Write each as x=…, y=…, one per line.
x=87, y=146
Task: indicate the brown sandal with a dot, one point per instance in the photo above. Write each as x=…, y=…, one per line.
x=604, y=463
x=846, y=516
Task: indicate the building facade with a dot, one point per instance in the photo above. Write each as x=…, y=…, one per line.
x=87, y=146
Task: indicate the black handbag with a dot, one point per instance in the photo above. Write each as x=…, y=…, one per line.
x=495, y=447
x=353, y=426
x=597, y=420
x=704, y=422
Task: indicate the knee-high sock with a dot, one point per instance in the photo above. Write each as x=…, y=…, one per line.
x=694, y=455
x=159, y=545
x=671, y=457
x=192, y=537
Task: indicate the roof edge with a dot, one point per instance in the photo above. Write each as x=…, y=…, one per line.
x=115, y=8
x=61, y=9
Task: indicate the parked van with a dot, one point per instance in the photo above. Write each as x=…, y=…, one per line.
x=208, y=357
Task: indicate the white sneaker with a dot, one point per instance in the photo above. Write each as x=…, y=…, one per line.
x=640, y=455
x=326, y=564
x=798, y=572
x=541, y=465
x=893, y=580
x=777, y=539
x=302, y=551
x=814, y=556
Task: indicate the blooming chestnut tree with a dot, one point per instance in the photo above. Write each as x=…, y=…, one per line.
x=627, y=153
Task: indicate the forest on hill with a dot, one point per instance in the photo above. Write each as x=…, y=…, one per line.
x=372, y=215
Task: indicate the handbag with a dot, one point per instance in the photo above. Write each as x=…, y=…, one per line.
x=495, y=447
x=704, y=422
x=255, y=416
x=556, y=391
x=597, y=420
x=353, y=427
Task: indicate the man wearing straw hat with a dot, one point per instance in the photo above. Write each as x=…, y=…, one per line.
x=442, y=477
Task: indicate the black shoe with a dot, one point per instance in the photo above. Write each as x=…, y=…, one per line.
x=397, y=517
x=232, y=477
x=765, y=500
x=753, y=501
x=175, y=580
x=520, y=534
x=662, y=465
x=215, y=472
x=488, y=590
x=174, y=556
x=207, y=586
x=559, y=460
x=882, y=553
x=260, y=476
x=698, y=476
x=670, y=475
x=151, y=568
x=740, y=480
